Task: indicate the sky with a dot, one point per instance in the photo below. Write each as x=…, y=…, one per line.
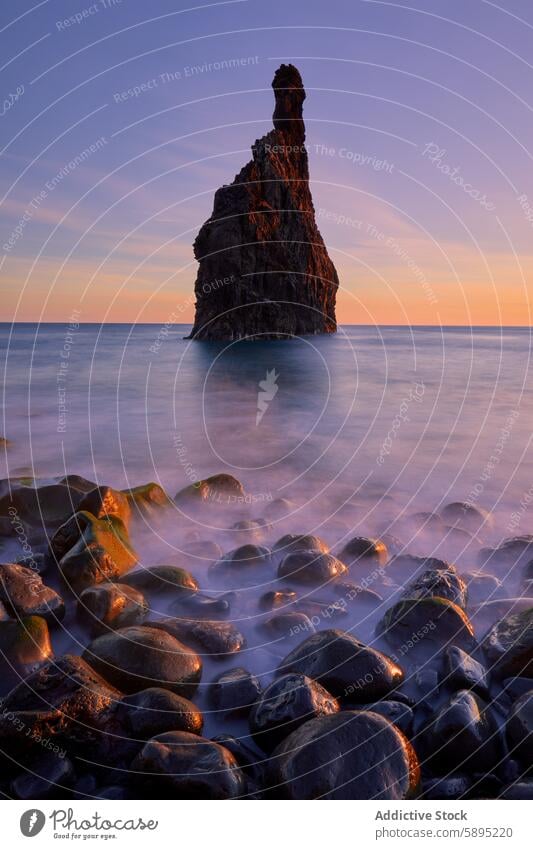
x=120, y=118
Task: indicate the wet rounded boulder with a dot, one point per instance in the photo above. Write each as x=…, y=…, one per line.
x=24, y=647
x=508, y=646
x=190, y=767
x=349, y=755
x=140, y=657
x=364, y=549
x=166, y=579
x=299, y=542
x=107, y=607
x=235, y=691
x=439, y=583
x=310, y=567
x=22, y=590
x=343, y=665
x=218, y=489
x=65, y=702
x=157, y=710
x=285, y=705
x=412, y=623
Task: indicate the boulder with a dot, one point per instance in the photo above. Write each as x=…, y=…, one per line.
x=415, y=622
x=461, y=672
x=163, y=579
x=218, y=639
x=235, y=691
x=467, y=516
x=362, y=549
x=241, y=565
x=106, y=607
x=24, y=647
x=148, y=500
x=102, y=553
x=292, y=625
x=462, y=736
x=22, y=590
x=299, y=542
x=286, y=704
x=46, y=505
x=64, y=704
x=157, y=710
x=348, y=755
x=104, y=501
x=218, y=489
x=140, y=657
x=343, y=665
x=310, y=567
x=508, y=646
x=186, y=766
x=438, y=583
x=276, y=599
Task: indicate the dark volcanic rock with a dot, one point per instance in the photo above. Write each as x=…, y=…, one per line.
x=24, y=647
x=164, y=579
x=190, y=767
x=508, y=646
x=156, y=710
x=350, y=755
x=140, y=657
x=264, y=269
x=462, y=672
x=109, y=606
x=49, y=505
x=466, y=516
x=285, y=705
x=310, y=567
x=65, y=703
x=345, y=666
x=219, y=639
x=22, y=590
x=218, y=489
x=413, y=622
x=240, y=565
x=235, y=691
x=299, y=542
x=462, y=736
x=364, y=549
x=147, y=500
x=438, y=583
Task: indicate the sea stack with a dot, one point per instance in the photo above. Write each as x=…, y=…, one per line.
x=264, y=271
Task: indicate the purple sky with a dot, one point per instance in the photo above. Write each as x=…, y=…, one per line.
x=119, y=124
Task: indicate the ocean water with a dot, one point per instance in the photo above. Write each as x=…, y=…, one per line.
x=358, y=431
x=409, y=414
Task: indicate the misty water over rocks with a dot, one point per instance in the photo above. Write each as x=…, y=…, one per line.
x=370, y=434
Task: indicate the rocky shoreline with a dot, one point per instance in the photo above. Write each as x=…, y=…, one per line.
x=261, y=661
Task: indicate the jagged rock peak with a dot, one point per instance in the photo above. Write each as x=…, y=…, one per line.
x=264, y=271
